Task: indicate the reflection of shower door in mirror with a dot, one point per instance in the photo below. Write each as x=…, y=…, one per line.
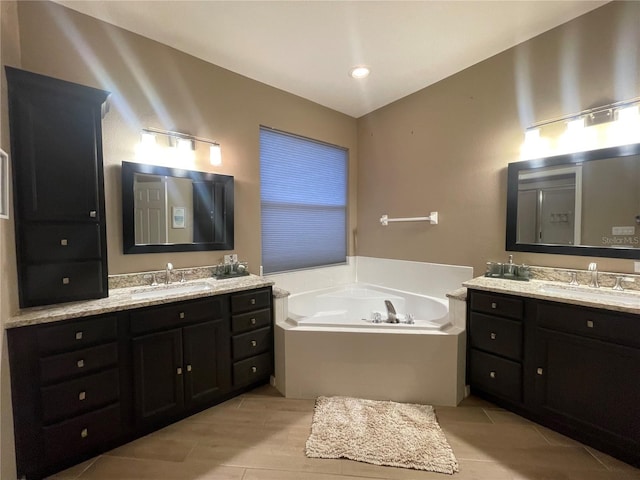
x=557, y=207
x=150, y=193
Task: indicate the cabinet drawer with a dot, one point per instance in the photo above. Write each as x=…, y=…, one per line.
x=496, y=375
x=497, y=305
x=67, y=336
x=496, y=335
x=251, y=343
x=252, y=300
x=81, y=434
x=600, y=324
x=75, y=397
x=68, y=365
x=60, y=243
x=63, y=281
x=250, y=321
x=252, y=369
x=176, y=314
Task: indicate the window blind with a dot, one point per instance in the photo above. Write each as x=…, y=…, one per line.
x=303, y=200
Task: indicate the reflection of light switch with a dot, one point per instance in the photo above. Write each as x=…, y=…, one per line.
x=623, y=230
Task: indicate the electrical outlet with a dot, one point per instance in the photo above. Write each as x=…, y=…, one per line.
x=636, y=267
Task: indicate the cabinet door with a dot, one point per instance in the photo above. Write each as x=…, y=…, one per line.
x=589, y=384
x=206, y=360
x=158, y=375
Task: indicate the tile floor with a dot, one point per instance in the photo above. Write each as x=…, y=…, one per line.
x=261, y=436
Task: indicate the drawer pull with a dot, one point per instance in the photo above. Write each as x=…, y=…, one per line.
x=254, y=369
x=539, y=371
x=92, y=214
x=66, y=280
x=79, y=335
x=252, y=301
x=84, y=433
x=254, y=343
x=493, y=336
x=494, y=305
x=179, y=370
x=253, y=321
x=181, y=315
x=80, y=363
x=492, y=374
x=589, y=323
x=82, y=396
x=64, y=242
x=188, y=368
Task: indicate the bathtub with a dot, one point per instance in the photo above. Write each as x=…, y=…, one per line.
x=326, y=344
x=355, y=307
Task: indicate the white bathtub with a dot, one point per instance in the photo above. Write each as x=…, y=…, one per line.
x=354, y=306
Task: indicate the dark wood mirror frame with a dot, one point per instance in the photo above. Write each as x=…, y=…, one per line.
x=223, y=212
x=513, y=172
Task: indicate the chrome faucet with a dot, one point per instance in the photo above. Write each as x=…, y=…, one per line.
x=167, y=276
x=391, y=312
x=593, y=268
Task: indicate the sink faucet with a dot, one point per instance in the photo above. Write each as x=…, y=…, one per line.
x=391, y=312
x=167, y=276
x=593, y=268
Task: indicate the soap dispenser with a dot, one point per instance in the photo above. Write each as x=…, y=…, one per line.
x=509, y=269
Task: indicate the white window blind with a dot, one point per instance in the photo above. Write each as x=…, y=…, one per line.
x=303, y=201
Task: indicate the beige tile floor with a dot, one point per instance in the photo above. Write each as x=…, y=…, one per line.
x=261, y=436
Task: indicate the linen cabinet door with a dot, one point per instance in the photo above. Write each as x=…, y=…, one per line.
x=206, y=361
x=158, y=375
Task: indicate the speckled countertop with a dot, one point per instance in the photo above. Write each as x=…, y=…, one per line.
x=134, y=297
x=603, y=297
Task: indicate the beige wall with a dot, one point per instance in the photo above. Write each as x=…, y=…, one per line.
x=446, y=147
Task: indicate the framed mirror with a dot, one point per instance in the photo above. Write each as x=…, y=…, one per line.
x=174, y=210
x=585, y=203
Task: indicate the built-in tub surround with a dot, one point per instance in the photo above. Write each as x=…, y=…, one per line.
x=400, y=363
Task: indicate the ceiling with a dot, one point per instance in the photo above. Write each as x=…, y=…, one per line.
x=308, y=47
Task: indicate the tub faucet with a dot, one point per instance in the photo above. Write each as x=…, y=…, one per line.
x=391, y=312
x=167, y=276
x=593, y=268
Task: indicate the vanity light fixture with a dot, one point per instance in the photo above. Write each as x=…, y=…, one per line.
x=184, y=144
x=359, y=71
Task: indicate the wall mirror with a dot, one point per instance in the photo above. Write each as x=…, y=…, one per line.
x=585, y=203
x=174, y=210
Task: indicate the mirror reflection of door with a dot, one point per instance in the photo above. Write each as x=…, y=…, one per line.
x=150, y=204
x=556, y=215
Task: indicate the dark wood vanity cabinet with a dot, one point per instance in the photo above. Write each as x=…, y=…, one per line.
x=579, y=371
x=181, y=358
x=58, y=188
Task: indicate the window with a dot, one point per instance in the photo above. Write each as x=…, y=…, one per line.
x=304, y=202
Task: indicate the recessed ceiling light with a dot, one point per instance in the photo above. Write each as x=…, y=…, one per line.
x=359, y=72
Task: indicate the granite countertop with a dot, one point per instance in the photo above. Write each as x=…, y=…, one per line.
x=603, y=297
x=128, y=298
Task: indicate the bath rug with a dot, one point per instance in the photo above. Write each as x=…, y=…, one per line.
x=382, y=433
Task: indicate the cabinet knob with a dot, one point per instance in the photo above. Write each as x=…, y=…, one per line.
x=254, y=343
x=539, y=371
x=93, y=214
x=492, y=374
x=589, y=323
x=494, y=305
x=188, y=368
x=80, y=363
x=493, y=336
x=253, y=321
x=252, y=301
x=66, y=280
x=79, y=335
x=179, y=370
x=181, y=315
x=84, y=433
x=254, y=369
x=82, y=396
x=64, y=242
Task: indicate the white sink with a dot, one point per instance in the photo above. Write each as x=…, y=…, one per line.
x=587, y=293
x=162, y=291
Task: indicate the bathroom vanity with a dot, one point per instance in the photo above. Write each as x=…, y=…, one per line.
x=569, y=361
x=88, y=376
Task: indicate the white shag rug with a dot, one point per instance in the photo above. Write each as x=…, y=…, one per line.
x=382, y=433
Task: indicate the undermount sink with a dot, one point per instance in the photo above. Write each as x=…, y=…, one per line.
x=587, y=293
x=161, y=291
